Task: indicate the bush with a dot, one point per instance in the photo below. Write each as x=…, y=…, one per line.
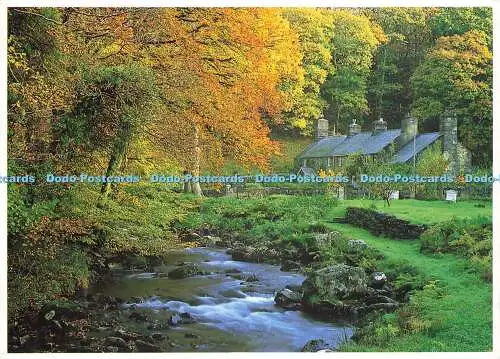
x=471, y=238
x=44, y=271
x=49, y=241
x=277, y=217
x=411, y=318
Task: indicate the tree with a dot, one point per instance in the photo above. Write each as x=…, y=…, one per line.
x=431, y=162
x=358, y=164
x=115, y=104
x=354, y=42
x=225, y=73
x=408, y=39
x=456, y=75
x=458, y=20
x=222, y=73
x=315, y=31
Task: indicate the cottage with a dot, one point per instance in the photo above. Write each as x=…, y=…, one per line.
x=330, y=151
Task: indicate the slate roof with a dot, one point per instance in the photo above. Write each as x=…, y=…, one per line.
x=368, y=143
x=422, y=141
x=364, y=142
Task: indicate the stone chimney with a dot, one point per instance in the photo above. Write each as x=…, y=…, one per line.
x=321, y=129
x=354, y=128
x=449, y=132
x=409, y=128
x=379, y=126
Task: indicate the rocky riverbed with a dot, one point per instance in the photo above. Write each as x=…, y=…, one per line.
x=216, y=299
x=200, y=300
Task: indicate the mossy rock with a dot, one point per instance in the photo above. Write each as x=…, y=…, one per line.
x=336, y=282
x=185, y=271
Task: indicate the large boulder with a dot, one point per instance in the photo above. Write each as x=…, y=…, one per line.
x=357, y=245
x=209, y=241
x=134, y=262
x=288, y=299
x=63, y=309
x=288, y=266
x=121, y=333
x=181, y=318
x=257, y=254
x=144, y=346
x=336, y=291
x=336, y=282
x=116, y=342
x=185, y=271
x=138, y=316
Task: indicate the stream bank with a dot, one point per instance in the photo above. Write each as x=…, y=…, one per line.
x=227, y=305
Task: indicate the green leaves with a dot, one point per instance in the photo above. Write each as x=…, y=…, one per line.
x=353, y=44
x=456, y=75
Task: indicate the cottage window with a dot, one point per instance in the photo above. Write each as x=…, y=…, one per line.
x=329, y=162
x=304, y=163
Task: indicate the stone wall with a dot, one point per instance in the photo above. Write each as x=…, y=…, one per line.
x=381, y=224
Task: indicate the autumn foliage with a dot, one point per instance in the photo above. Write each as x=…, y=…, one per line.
x=171, y=90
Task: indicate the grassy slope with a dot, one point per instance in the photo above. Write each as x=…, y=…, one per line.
x=465, y=311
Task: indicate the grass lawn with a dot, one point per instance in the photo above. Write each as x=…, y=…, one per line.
x=465, y=310
x=423, y=212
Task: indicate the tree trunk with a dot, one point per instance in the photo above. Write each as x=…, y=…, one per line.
x=117, y=155
x=187, y=185
x=195, y=186
x=388, y=198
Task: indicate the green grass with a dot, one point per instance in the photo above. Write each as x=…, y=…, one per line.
x=423, y=212
x=465, y=311
x=461, y=319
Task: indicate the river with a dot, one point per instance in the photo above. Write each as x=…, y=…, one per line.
x=231, y=312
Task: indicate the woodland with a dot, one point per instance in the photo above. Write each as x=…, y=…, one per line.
x=141, y=91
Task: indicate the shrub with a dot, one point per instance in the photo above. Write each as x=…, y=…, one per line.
x=471, y=238
x=411, y=318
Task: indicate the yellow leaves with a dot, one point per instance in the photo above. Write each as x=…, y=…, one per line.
x=468, y=57
x=228, y=66
x=299, y=123
x=15, y=58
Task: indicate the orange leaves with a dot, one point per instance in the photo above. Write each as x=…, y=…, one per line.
x=225, y=70
x=223, y=73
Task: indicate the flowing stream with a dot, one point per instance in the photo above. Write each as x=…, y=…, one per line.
x=232, y=312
